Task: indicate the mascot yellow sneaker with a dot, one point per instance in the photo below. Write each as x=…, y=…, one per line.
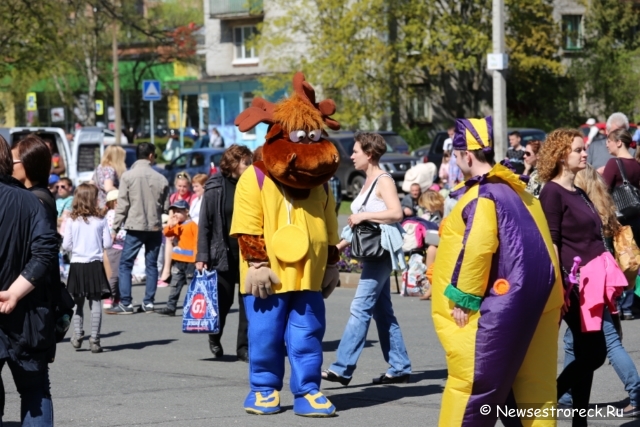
x=262, y=402
x=313, y=404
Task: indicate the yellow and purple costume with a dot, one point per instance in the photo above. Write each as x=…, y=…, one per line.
x=496, y=259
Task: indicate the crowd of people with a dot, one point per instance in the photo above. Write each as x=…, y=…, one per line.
x=100, y=227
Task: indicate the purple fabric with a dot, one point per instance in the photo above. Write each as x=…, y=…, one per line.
x=575, y=228
x=460, y=138
x=260, y=176
x=507, y=322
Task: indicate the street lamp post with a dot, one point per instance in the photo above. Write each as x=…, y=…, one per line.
x=497, y=62
x=116, y=84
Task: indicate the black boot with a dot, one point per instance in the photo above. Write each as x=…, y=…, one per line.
x=215, y=346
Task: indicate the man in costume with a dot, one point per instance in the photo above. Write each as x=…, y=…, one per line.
x=287, y=229
x=497, y=292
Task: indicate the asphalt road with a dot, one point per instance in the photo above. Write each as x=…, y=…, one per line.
x=152, y=374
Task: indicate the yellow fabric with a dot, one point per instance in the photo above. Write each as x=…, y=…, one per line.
x=262, y=212
x=476, y=263
x=481, y=127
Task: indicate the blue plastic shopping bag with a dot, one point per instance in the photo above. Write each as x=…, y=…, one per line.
x=200, y=308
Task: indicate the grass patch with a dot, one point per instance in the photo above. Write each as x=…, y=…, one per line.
x=345, y=207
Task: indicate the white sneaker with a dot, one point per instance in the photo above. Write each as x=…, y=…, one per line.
x=146, y=308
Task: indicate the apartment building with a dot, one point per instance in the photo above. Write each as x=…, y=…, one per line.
x=233, y=66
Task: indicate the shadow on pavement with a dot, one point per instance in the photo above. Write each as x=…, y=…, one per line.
x=138, y=345
x=438, y=374
x=378, y=395
x=225, y=358
x=333, y=345
x=11, y=424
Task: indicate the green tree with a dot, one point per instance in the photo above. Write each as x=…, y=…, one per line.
x=373, y=56
x=607, y=71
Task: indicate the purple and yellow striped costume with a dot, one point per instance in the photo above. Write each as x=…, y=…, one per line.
x=497, y=259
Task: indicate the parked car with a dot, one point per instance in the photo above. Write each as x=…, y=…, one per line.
x=56, y=136
x=110, y=137
x=434, y=151
x=395, y=141
x=353, y=180
x=201, y=160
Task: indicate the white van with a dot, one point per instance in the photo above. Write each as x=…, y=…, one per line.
x=88, y=148
x=55, y=136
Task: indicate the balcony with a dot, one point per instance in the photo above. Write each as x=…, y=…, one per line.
x=234, y=9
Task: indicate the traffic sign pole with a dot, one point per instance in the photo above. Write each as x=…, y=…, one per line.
x=151, y=126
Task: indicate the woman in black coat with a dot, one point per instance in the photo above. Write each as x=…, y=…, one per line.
x=28, y=250
x=216, y=250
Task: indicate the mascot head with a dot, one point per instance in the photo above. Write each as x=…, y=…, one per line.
x=296, y=151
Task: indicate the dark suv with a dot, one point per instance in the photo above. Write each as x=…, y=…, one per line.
x=351, y=179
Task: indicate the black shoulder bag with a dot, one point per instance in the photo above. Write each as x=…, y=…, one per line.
x=626, y=196
x=366, y=243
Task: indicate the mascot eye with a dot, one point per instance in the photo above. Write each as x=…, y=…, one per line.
x=297, y=135
x=315, y=135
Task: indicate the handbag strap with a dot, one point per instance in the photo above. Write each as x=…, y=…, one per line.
x=373, y=185
x=625, y=181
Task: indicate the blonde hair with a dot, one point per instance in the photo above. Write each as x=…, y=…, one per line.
x=114, y=156
x=432, y=201
x=555, y=149
x=592, y=183
x=182, y=175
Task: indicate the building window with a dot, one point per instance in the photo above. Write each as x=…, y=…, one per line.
x=247, y=98
x=241, y=38
x=572, y=32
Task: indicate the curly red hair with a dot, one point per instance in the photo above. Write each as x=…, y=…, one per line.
x=555, y=149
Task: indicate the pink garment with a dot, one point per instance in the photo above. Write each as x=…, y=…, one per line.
x=189, y=197
x=601, y=282
x=420, y=230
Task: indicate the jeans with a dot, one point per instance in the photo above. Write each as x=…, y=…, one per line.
x=620, y=360
x=625, y=303
x=181, y=274
x=36, y=407
x=132, y=244
x=373, y=298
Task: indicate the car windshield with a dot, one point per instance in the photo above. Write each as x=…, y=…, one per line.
x=395, y=140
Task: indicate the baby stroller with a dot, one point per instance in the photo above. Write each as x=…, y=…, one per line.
x=420, y=233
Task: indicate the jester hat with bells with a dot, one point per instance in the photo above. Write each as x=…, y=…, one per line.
x=296, y=152
x=474, y=134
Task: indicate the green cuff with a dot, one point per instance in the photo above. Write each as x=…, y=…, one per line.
x=462, y=299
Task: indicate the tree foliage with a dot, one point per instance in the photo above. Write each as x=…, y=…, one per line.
x=608, y=68
x=374, y=56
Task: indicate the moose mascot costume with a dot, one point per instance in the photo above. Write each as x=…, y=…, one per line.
x=285, y=221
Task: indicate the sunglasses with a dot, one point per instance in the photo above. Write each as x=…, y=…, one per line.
x=182, y=176
x=61, y=187
x=528, y=153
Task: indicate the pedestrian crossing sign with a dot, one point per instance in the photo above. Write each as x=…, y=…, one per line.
x=151, y=90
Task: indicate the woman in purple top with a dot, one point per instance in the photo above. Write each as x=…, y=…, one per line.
x=618, y=143
x=576, y=230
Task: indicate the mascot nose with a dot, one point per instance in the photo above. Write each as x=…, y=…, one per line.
x=292, y=159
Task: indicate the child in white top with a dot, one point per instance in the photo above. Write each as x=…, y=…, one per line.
x=86, y=235
x=115, y=252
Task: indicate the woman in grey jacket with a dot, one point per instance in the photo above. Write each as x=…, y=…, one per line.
x=216, y=250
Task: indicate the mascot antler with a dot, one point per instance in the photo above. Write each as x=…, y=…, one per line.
x=262, y=111
x=326, y=107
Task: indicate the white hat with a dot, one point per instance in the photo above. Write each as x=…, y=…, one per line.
x=591, y=121
x=422, y=174
x=112, y=195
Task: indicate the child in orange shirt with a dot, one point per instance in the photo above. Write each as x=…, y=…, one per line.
x=183, y=257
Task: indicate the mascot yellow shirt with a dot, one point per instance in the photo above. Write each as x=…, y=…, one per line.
x=264, y=211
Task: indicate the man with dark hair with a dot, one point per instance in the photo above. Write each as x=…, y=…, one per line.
x=142, y=198
x=515, y=154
